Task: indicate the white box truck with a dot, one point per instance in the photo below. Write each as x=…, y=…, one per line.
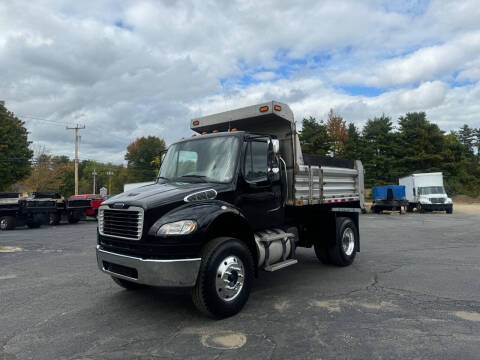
x=425, y=192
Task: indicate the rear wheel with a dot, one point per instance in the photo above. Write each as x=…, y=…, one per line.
x=224, y=279
x=128, y=285
x=321, y=250
x=7, y=223
x=343, y=252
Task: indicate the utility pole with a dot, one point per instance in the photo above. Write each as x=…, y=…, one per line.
x=94, y=173
x=109, y=174
x=75, y=129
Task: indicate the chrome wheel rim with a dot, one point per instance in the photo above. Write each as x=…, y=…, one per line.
x=348, y=241
x=3, y=224
x=230, y=277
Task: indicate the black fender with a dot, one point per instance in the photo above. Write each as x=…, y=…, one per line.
x=214, y=218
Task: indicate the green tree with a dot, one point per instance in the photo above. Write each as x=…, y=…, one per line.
x=353, y=145
x=141, y=158
x=421, y=144
x=314, y=137
x=15, y=154
x=378, y=151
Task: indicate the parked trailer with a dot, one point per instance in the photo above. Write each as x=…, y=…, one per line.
x=71, y=210
x=389, y=197
x=425, y=192
x=234, y=199
x=18, y=211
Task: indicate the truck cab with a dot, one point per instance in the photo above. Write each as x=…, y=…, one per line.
x=230, y=201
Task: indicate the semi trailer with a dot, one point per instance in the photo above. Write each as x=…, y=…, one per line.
x=71, y=210
x=234, y=199
x=425, y=192
x=20, y=211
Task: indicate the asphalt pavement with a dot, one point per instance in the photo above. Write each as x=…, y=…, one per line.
x=412, y=293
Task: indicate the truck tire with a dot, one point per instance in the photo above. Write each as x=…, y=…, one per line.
x=54, y=219
x=450, y=210
x=224, y=279
x=409, y=208
x=128, y=285
x=7, y=223
x=420, y=208
x=343, y=252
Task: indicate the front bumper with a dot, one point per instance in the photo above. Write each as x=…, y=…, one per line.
x=168, y=273
x=437, y=207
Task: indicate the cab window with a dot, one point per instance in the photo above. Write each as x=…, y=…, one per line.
x=256, y=161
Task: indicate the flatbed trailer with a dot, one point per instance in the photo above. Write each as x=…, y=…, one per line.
x=17, y=211
x=233, y=200
x=70, y=210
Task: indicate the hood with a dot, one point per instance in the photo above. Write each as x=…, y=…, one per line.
x=158, y=194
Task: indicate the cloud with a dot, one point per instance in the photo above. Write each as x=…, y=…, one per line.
x=128, y=69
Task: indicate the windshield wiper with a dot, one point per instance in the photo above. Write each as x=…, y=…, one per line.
x=163, y=178
x=195, y=176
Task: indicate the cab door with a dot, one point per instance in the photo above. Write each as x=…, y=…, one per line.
x=260, y=195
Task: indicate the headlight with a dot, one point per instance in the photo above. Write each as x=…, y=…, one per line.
x=449, y=200
x=182, y=227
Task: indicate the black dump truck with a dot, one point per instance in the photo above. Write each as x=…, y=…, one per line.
x=234, y=199
x=71, y=210
x=18, y=211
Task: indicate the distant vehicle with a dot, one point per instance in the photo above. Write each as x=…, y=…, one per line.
x=71, y=210
x=233, y=200
x=425, y=192
x=389, y=197
x=17, y=211
x=96, y=201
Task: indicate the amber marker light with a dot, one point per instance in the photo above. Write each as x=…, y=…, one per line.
x=263, y=108
x=196, y=123
x=204, y=133
x=215, y=131
x=277, y=108
x=233, y=130
x=193, y=135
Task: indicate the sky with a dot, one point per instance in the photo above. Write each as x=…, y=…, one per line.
x=126, y=69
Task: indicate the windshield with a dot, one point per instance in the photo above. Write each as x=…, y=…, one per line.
x=427, y=190
x=209, y=159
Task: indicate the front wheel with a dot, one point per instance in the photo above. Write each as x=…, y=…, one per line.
x=7, y=223
x=225, y=278
x=343, y=252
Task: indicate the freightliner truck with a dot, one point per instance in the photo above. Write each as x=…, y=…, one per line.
x=235, y=199
x=18, y=211
x=425, y=192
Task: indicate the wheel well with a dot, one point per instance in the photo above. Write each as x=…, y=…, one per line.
x=235, y=226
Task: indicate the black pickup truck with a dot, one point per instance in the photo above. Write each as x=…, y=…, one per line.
x=17, y=211
x=234, y=199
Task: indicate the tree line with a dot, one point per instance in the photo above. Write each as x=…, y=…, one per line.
x=390, y=151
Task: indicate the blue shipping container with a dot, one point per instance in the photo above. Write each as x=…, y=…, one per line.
x=397, y=192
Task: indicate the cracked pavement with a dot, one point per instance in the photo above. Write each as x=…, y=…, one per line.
x=413, y=292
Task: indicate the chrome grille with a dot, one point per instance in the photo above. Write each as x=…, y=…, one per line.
x=437, y=200
x=121, y=223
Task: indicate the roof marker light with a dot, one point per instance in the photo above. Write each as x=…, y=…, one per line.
x=277, y=107
x=196, y=123
x=204, y=132
x=263, y=108
x=233, y=130
x=215, y=131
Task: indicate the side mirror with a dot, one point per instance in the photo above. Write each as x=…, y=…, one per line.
x=275, y=146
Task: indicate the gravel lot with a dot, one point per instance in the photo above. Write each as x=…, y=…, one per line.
x=413, y=292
